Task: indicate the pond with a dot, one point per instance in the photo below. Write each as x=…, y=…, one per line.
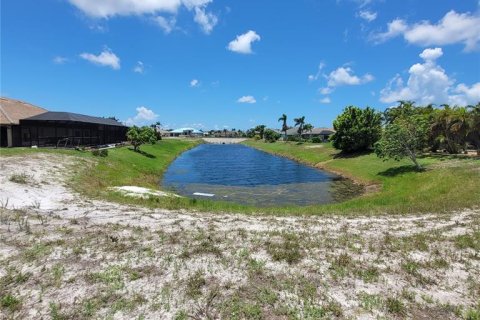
x=245, y=175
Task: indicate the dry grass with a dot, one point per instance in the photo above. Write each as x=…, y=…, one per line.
x=218, y=267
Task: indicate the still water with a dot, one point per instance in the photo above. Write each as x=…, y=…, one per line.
x=245, y=175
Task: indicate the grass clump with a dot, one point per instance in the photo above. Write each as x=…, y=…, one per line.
x=370, y=302
x=395, y=306
x=10, y=302
x=471, y=241
x=287, y=249
x=21, y=178
x=36, y=252
x=112, y=276
x=194, y=284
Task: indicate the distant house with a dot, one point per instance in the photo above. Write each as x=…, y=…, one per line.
x=163, y=133
x=186, y=132
x=322, y=133
x=35, y=126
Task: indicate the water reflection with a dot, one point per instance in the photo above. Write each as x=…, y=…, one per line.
x=248, y=176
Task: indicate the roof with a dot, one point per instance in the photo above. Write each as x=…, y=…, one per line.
x=183, y=130
x=325, y=131
x=11, y=110
x=73, y=117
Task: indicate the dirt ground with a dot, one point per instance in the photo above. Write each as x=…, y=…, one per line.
x=63, y=256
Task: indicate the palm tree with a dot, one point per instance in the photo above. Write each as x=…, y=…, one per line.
x=283, y=118
x=300, y=122
x=474, y=126
x=450, y=127
x=260, y=129
x=307, y=127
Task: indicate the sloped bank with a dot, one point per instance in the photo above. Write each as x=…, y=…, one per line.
x=448, y=183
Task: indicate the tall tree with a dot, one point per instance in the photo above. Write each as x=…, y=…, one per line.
x=299, y=122
x=474, y=126
x=283, y=118
x=138, y=136
x=406, y=136
x=357, y=129
x=260, y=129
x=307, y=127
x=450, y=127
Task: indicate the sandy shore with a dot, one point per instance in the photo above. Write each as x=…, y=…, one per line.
x=101, y=259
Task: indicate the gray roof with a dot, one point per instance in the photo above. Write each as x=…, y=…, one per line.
x=74, y=117
x=324, y=131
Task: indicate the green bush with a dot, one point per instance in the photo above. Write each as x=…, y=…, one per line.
x=357, y=129
x=138, y=136
x=271, y=136
x=294, y=138
x=317, y=140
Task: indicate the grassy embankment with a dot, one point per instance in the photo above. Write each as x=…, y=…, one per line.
x=446, y=184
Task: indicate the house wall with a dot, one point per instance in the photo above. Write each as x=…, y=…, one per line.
x=67, y=134
x=4, y=133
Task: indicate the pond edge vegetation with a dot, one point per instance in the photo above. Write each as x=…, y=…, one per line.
x=446, y=182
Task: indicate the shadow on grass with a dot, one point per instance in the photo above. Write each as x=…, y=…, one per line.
x=447, y=156
x=392, y=172
x=143, y=153
x=347, y=155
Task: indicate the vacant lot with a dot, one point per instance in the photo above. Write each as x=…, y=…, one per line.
x=67, y=257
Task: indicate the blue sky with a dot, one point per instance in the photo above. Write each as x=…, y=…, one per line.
x=213, y=64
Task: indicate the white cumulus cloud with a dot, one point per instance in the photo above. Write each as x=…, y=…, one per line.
x=345, y=76
x=246, y=99
x=453, y=28
x=367, y=15
x=143, y=117
x=194, y=83
x=106, y=58
x=243, y=42
x=206, y=20
x=111, y=8
x=429, y=83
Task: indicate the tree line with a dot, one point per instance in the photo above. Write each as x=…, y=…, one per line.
x=406, y=130
x=261, y=132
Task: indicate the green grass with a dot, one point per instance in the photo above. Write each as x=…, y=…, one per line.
x=447, y=183
x=125, y=167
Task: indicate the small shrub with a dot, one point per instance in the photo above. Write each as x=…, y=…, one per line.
x=10, y=302
x=294, y=138
x=21, y=178
x=288, y=249
x=472, y=314
x=395, y=306
x=370, y=301
x=194, y=284
x=55, y=313
x=468, y=241
x=316, y=140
